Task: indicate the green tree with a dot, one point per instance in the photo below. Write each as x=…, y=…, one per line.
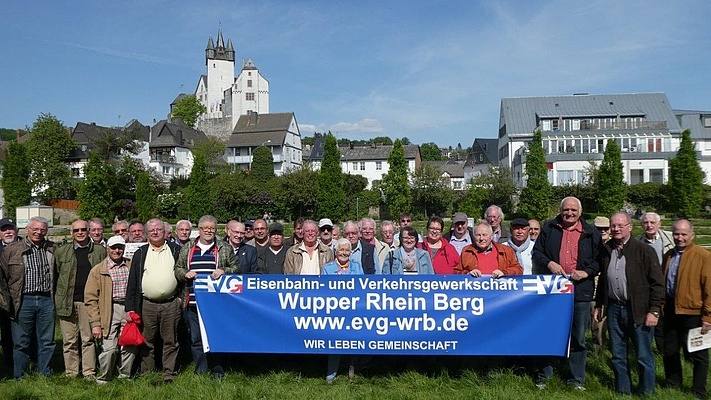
x=15, y=179
x=111, y=143
x=298, y=194
x=498, y=187
x=124, y=180
x=95, y=196
x=213, y=151
x=230, y=196
x=262, y=170
x=430, y=191
x=535, y=197
x=197, y=193
x=330, y=181
x=188, y=109
x=384, y=140
x=145, y=197
x=430, y=152
x=612, y=189
x=685, y=179
x=395, y=185
x=47, y=150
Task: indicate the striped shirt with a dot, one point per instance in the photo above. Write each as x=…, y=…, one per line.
x=37, y=270
x=203, y=260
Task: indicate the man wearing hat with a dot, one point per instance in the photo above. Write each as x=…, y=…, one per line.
x=246, y=254
x=248, y=230
x=461, y=234
x=105, y=299
x=270, y=259
x=8, y=234
x=325, y=229
x=602, y=224
x=521, y=243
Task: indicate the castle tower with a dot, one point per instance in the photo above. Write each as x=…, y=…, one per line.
x=250, y=92
x=220, y=63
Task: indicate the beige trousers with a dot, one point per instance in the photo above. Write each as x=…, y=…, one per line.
x=76, y=334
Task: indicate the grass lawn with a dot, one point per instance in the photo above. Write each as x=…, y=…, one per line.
x=302, y=377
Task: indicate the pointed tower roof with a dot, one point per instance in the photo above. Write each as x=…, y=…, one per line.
x=220, y=41
x=210, y=44
x=230, y=51
x=248, y=64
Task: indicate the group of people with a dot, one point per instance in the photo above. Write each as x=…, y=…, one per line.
x=95, y=285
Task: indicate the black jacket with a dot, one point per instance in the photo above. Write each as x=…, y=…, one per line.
x=547, y=249
x=134, y=290
x=645, y=281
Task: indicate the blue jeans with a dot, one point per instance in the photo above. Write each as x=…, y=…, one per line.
x=35, y=317
x=622, y=328
x=578, y=350
x=199, y=357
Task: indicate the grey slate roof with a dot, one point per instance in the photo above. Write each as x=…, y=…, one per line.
x=379, y=152
x=519, y=113
x=692, y=120
x=453, y=168
x=166, y=134
x=256, y=129
x=487, y=147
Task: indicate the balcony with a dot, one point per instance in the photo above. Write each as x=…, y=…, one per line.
x=163, y=158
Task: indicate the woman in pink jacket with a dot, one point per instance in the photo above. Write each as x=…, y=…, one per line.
x=444, y=256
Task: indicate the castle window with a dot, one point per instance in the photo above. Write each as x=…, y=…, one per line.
x=249, y=83
x=249, y=96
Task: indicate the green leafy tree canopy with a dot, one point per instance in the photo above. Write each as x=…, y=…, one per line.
x=685, y=179
x=188, y=109
x=535, y=196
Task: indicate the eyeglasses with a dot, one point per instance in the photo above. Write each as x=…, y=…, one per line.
x=155, y=230
x=77, y=230
x=351, y=233
x=208, y=230
x=117, y=231
x=618, y=226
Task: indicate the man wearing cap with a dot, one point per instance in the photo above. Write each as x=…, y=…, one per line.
x=246, y=254
x=660, y=240
x=521, y=244
x=271, y=258
x=105, y=298
x=461, y=234
x=8, y=234
x=568, y=246
x=73, y=262
x=182, y=232
x=28, y=276
x=602, y=224
x=204, y=255
x=261, y=236
x=96, y=231
x=152, y=292
x=325, y=229
x=534, y=229
x=248, y=230
x=598, y=326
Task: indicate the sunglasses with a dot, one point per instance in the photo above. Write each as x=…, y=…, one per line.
x=79, y=230
x=325, y=228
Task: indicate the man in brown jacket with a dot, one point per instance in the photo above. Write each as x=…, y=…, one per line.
x=105, y=299
x=687, y=270
x=308, y=257
x=28, y=274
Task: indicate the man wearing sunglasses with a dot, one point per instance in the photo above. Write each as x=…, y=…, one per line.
x=73, y=263
x=325, y=229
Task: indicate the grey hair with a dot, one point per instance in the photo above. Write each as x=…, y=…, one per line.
x=183, y=221
x=651, y=215
x=485, y=224
x=386, y=223
x=577, y=200
x=494, y=207
x=167, y=227
x=41, y=220
x=207, y=218
x=343, y=242
x=350, y=223
x=123, y=221
x=366, y=219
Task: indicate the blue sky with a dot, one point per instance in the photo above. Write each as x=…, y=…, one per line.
x=428, y=70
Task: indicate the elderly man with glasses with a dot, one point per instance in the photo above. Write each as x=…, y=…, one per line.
x=152, y=292
x=204, y=255
x=73, y=263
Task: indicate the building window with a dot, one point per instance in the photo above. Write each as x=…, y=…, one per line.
x=656, y=175
x=75, y=172
x=546, y=125
x=362, y=165
x=636, y=176
x=378, y=165
x=456, y=185
x=237, y=151
x=355, y=166
x=249, y=96
x=249, y=83
x=166, y=170
x=566, y=177
x=707, y=121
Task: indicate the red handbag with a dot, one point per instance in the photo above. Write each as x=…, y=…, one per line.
x=131, y=334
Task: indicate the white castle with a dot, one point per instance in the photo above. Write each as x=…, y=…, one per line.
x=225, y=97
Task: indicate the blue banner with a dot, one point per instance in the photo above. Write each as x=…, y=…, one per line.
x=386, y=314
